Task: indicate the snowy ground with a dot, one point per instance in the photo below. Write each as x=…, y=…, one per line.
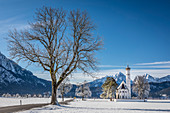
x=105, y=106
x=16, y=101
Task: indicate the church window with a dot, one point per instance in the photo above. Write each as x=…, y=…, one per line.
x=123, y=87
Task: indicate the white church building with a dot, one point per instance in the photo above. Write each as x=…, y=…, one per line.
x=124, y=89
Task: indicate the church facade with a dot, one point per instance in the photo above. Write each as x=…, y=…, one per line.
x=123, y=91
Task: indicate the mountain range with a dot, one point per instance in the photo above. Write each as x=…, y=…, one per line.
x=157, y=80
x=15, y=79
x=158, y=86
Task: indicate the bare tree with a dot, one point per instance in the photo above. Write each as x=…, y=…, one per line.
x=83, y=90
x=141, y=87
x=59, y=42
x=64, y=88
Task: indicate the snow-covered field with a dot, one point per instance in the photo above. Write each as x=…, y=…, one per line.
x=105, y=106
x=16, y=101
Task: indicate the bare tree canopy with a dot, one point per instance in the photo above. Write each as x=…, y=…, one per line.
x=141, y=87
x=83, y=90
x=58, y=41
x=64, y=88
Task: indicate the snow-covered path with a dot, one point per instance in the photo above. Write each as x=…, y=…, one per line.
x=104, y=106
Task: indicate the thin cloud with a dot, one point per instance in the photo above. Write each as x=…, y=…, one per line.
x=154, y=63
x=80, y=77
x=11, y=23
x=7, y=21
x=149, y=67
x=108, y=66
x=136, y=66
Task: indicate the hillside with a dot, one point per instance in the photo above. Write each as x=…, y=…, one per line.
x=15, y=79
x=159, y=88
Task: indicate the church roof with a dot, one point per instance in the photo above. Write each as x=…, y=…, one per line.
x=122, y=85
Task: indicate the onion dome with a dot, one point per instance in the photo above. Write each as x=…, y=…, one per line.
x=127, y=68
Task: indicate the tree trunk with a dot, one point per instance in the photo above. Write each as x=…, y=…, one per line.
x=82, y=97
x=54, y=94
x=63, y=97
x=83, y=92
x=63, y=93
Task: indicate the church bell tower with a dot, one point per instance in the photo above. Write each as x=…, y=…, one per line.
x=128, y=81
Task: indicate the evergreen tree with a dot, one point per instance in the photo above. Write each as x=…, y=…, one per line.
x=109, y=88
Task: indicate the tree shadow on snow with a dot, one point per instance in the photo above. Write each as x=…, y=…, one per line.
x=158, y=101
x=163, y=110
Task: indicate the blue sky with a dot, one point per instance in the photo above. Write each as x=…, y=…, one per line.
x=135, y=32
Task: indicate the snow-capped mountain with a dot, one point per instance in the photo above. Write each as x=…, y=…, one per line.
x=15, y=79
x=157, y=80
x=164, y=79
x=157, y=85
x=163, y=82
x=150, y=78
x=95, y=85
x=119, y=77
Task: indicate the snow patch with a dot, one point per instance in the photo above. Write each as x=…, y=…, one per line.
x=105, y=106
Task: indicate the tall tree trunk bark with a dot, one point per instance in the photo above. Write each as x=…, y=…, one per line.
x=62, y=97
x=63, y=92
x=54, y=94
x=83, y=92
x=82, y=97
